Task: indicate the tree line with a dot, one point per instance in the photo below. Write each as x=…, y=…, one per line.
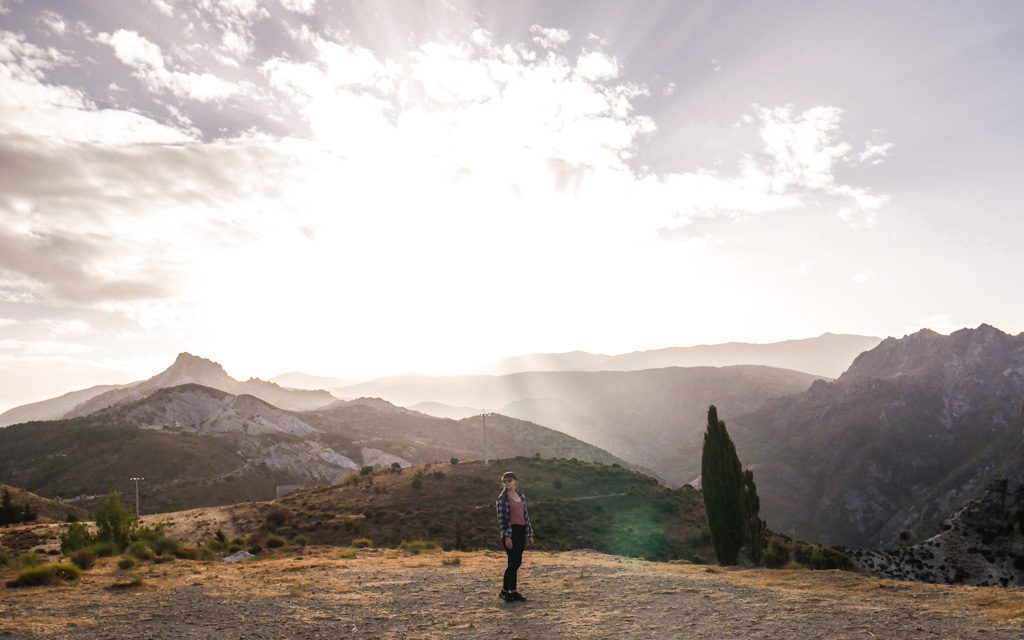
x=11, y=513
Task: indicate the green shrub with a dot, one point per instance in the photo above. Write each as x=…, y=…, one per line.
x=5, y=561
x=417, y=483
x=275, y=542
x=219, y=536
x=46, y=574
x=126, y=563
x=214, y=544
x=793, y=565
x=114, y=521
x=454, y=460
x=238, y=540
x=362, y=543
x=163, y=558
x=76, y=536
x=84, y=559
x=396, y=467
x=300, y=541
x=158, y=541
x=438, y=475
x=829, y=558
x=141, y=550
x=105, y=549
x=802, y=553
x=451, y=561
x=776, y=555
x=232, y=548
x=347, y=553
x=416, y=547
x=367, y=470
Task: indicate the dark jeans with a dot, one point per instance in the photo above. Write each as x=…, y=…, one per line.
x=515, y=556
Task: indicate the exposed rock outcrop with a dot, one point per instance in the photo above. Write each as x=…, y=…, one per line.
x=981, y=544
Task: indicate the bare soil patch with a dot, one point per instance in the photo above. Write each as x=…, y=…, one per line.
x=377, y=593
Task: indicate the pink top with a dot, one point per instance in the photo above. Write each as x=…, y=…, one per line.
x=515, y=512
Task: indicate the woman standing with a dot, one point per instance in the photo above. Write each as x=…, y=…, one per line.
x=515, y=530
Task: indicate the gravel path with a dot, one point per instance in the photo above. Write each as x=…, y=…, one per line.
x=385, y=594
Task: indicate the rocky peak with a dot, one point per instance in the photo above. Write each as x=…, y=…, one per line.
x=188, y=368
x=926, y=353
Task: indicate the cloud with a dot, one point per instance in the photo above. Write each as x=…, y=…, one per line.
x=402, y=178
x=875, y=153
x=801, y=151
x=31, y=106
x=595, y=65
x=65, y=273
x=163, y=6
x=53, y=21
x=549, y=38
x=146, y=59
x=862, y=277
x=307, y=7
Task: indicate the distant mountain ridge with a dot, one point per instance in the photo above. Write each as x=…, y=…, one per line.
x=914, y=429
x=653, y=418
x=199, y=446
x=190, y=369
x=827, y=355
x=54, y=407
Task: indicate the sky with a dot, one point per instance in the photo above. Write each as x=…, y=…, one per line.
x=359, y=189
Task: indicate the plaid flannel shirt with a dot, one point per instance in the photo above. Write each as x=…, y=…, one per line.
x=505, y=521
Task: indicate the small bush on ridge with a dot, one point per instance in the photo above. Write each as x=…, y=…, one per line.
x=46, y=574
x=76, y=536
x=84, y=559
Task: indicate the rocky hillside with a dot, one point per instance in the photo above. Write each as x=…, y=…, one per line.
x=916, y=428
x=653, y=418
x=980, y=544
x=198, y=446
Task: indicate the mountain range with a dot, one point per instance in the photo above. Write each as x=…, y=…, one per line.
x=199, y=446
x=653, y=417
x=914, y=429
x=186, y=369
x=827, y=355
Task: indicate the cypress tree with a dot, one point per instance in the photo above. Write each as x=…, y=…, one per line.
x=722, y=486
x=756, y=533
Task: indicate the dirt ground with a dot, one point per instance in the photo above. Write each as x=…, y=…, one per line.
x=389, y=594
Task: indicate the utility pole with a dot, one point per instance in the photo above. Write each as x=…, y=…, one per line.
x=137, y=495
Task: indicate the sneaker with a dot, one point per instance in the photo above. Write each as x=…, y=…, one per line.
x=506, y=596
x=518, y=597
